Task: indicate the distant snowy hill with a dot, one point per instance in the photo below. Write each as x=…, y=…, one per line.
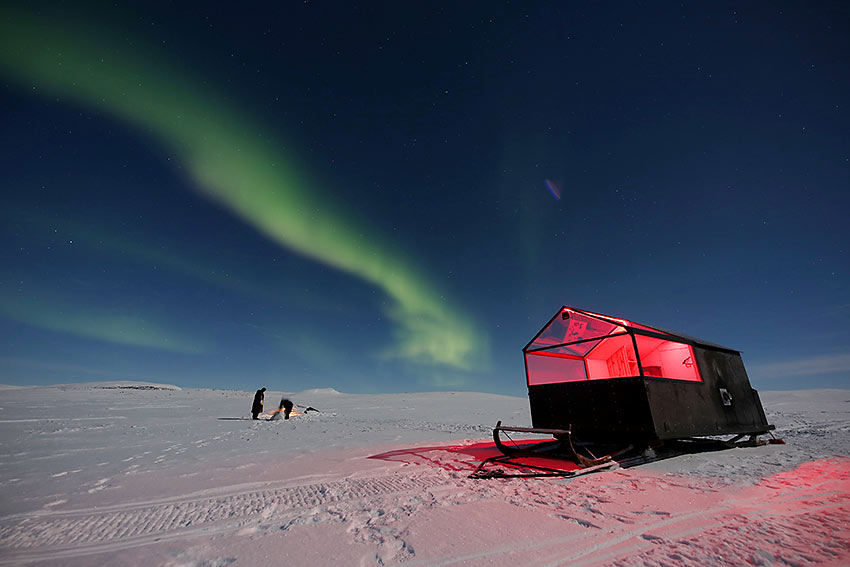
x=119, y=385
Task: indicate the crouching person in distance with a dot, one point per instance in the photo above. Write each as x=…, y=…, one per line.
x=284, y=410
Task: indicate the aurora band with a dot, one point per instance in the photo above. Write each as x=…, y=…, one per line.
x=234, y=163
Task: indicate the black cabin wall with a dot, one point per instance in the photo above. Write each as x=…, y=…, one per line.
x=648, y=409
x=598, y=410
x=689, y=409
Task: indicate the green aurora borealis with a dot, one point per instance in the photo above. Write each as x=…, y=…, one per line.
x=235, y=163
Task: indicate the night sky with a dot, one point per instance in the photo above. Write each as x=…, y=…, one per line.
x=397, y=196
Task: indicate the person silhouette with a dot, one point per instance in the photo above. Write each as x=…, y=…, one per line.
x=285, y=409
x=257, y=407
x=286, y=405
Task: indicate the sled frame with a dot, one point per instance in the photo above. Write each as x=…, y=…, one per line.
x=562, y=447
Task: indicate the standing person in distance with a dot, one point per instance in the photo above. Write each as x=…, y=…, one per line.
x=257, y=407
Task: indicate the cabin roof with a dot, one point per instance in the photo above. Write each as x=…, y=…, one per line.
x=555, y=328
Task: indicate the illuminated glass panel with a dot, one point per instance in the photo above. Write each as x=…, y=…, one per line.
x=549, y=368
x=613, y=357
x=575, y=349
x=627, y=323
x=667, y=359
x=575, y=327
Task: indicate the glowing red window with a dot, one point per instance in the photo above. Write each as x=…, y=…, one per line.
x=569, y=327
x=667, y=359
x=613, y=357
x=546, y=367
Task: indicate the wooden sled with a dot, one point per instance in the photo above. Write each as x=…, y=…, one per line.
x=561, y=448
x=564, y=448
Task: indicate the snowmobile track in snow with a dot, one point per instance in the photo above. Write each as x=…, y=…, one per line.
x=45, y=536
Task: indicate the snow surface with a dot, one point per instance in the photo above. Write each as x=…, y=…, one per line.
x=130, y=473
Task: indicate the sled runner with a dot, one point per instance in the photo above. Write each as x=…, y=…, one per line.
x=562, y=445
x=559, y=455
x=565, y=457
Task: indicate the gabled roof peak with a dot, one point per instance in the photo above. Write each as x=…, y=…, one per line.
x=585, y=325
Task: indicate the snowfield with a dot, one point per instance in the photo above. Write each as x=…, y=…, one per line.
x=132, y=473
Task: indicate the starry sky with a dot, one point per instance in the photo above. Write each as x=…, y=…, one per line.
x=396, y=196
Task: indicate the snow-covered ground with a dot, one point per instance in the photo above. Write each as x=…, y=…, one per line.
x=146, y=474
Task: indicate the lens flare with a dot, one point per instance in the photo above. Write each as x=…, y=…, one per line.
x=553, y=188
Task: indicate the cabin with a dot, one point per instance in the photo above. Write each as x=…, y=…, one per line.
x=607, y=379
